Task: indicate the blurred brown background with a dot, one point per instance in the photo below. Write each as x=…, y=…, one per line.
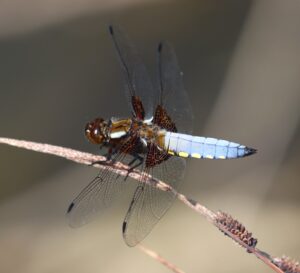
x=58, y=69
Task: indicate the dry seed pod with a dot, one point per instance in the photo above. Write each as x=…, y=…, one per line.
x=287, y=265
x=236, y=228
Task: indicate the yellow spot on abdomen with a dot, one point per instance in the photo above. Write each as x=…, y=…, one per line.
x=183, y=154
x=221, y=157
x=209, y=157
x=171, y=152
x=195, y=155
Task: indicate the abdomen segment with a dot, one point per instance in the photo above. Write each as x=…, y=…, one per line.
x=204, y=147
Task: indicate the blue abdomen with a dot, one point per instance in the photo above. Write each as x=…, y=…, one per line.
x=204, y=147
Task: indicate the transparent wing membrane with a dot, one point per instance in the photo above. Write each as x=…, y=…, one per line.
x=97, y=195
x=137, y=80
x=149, y=204
x=173, y=97
x=102, y=190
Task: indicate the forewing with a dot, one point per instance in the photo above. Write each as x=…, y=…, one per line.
x=173, y=97
x=102, y=190
x=149, y=204
x=138, y=87
x=93, y=198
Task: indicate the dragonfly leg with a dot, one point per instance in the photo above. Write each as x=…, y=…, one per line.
x=133, y=166
x=100, y=162
x=110, y=153
x=108, y=160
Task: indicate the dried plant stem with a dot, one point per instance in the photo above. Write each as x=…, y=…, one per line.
x=160, y=259
x=120, y=168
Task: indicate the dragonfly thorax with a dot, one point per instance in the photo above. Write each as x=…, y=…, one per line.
x=150, y=132
x=119, y=128
x=145, y=130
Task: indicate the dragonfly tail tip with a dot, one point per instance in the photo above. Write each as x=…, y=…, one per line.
x=250, y=151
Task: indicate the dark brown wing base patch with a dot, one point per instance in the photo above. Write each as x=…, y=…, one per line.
x=155, y=156
x=138, y=107
x=162, y=119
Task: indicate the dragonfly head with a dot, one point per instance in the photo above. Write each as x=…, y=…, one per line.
x=95, y=131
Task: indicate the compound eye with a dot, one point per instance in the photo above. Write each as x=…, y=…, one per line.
x=98, y=137
x=94, y=131
x=93, y=134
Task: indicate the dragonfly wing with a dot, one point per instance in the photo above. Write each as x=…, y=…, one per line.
x=101, y=191
x=96, y=196
x=138, y=86
x=173, y=98
x=149, y=204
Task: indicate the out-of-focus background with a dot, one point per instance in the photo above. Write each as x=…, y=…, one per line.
x=58, y=69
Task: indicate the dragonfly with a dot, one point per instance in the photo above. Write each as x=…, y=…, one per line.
x=156, y=139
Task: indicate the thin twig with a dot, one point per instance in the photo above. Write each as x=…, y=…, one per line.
x=122, y=169
x=160, y=259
